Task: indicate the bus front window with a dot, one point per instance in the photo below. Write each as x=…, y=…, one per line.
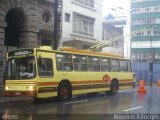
x=21, y=68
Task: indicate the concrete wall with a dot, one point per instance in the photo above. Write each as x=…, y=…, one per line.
x=70, y=6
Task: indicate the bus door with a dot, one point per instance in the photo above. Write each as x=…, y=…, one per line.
x=45, y=73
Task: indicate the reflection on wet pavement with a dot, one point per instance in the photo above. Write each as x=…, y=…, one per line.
x=124, y=102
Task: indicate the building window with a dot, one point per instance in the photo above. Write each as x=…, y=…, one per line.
x=146, y=44
x=83, y=25
x=46, y=16
x=137, y=1
x=148, y=9
x=89, y=3
x=67, y=17
x=146, y=21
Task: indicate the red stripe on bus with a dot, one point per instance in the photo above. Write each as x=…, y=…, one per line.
x=73, y=82
x=47, y=83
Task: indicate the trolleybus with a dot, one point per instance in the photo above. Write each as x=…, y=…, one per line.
x=43, y=73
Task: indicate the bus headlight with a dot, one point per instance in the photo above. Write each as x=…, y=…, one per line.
x=30, y=88
x=7, y=88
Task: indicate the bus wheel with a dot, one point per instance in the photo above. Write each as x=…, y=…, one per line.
x=114, y=87
x=64, y=91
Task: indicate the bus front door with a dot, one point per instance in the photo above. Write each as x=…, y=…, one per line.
x=45, y=72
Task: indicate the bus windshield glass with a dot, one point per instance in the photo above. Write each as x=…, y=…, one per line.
x=21, y=68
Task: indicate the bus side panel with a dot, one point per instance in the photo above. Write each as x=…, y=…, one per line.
x=87, y=82
x=125, y=80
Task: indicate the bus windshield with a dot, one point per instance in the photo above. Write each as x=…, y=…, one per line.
x=21, y=68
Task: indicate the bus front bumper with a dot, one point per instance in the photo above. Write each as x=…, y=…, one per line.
x=20, y=93
x=11, y=90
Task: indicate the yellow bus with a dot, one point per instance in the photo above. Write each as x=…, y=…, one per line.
x=43, y=73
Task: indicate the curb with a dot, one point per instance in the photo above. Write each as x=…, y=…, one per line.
x=14, y=99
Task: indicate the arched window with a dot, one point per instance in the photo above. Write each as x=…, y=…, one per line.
x=46, y=16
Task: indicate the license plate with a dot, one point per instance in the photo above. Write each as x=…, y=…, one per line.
x=17, y=93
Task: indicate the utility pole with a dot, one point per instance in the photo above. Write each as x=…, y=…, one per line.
x=55, y=40
x=151, y=62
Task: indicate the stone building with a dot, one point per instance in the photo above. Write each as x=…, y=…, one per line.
x=24, y=24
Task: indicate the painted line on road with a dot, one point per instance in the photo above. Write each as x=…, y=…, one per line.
x=121, y=91
x=77, y=102
x=130, y=90
x=132, y=108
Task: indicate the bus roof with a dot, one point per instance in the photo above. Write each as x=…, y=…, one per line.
x=81, y=52
x=64, y=50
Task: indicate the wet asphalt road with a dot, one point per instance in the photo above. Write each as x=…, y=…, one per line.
x=125, y=102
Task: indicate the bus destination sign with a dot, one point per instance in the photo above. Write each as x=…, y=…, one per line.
x=20, y=52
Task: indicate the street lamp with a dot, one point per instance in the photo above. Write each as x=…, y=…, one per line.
x=57, y=21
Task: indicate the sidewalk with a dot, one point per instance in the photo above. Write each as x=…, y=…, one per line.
x=14, y=99
x=1, y=90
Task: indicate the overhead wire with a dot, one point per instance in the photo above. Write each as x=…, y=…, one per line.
x=121, y=37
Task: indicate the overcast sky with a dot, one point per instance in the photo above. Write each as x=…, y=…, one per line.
x=110, y=5
x=120, y=8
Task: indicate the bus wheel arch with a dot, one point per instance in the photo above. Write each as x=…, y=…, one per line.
x=114, y=86
x=64, y=91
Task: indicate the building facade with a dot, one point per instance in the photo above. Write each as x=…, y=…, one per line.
x=24, y=24
x=145, y=44
x=110, y=33
x=82, y=23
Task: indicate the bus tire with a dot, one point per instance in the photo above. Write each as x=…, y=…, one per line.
x=64, y=91
x=114, y=87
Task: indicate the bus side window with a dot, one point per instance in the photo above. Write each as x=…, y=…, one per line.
x=60, y=66
x=123, y=66
x=93, y=64
x=105, y=65
x=76, y=63
x=67, y=62
x=64, y=62
x=79, y=63
x=115, y=65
